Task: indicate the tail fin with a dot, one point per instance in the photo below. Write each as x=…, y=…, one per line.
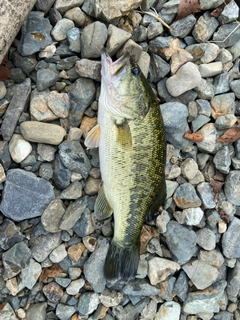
x=122, y=262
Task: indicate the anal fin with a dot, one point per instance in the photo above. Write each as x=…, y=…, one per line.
x=93, y=137
x=102, y=209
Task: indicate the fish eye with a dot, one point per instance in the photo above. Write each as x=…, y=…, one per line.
x=135, y=71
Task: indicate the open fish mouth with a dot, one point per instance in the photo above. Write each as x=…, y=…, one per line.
x=113, y=68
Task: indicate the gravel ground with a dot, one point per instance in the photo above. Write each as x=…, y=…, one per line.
x=52, y=253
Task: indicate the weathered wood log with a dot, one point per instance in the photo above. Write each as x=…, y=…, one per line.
x=12, y=15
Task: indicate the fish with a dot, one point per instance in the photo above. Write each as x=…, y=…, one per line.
x=132, y=154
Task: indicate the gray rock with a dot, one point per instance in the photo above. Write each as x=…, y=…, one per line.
x=89, y=69
x=175, y=123
x=25, y=196
x=74, y=158
x=54, y=16
x=227, y=35
x=206, y=194
x=27, y=64
x=209, y=133
x=199, y=122
x=5, y=158
x=106, y=13
x=17, y=105
x=52, y=216
x=30, y=274
x=140, y=288
x=223, y=104
x=9, y=234
x=159, y=269
x=84, y=226
x=203, y=52
x=59, y=32
x=181, y=286
x=221, y=83
x=93, y=38
x=204, y=27
x=186, y=78
x=110, y=298
x=206, y=239
x=133, y=311
x=186, y=197
x=231, y=240
x=58, y=254
x=75, y=286
x=205, y=300
x=222, y=160
x=46, y=152
x=225, y=122
x=17, y=75
x=159, y=68
x=35, y=34
x=232, y=187
x=168, y=310
x=64, y=312
x=73, y=192
x=206, y=89
x=77, y=16
x=235, y=86
x=183, y=27
x=233, y=286
x=72, y=214
x=116, y=39
x=81, y=93
x=181, y=241
x=189, y=168
x=93, y=267
x=45, y=79
x=63, y=6
x=7, y=312
x=134, y=49
x=43, y=245
x=15, y=259
x=61, y=174
x=44, y=5
x=139, y=34
x=42, y=132
x=154, y=29
x=88, y=302
x=236, y=163
x=38, y=309
x=73, y=37
x=190, y=216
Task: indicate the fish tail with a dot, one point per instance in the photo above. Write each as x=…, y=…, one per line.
x=122, y=262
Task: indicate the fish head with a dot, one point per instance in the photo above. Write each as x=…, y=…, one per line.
x=125, y=91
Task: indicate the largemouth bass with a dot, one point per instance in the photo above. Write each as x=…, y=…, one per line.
x=131, y=141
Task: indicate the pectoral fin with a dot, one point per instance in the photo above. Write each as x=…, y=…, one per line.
x=102, y=209
x=93, y=138
x=124, y=135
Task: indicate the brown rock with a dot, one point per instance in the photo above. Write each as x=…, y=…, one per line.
x=53, y=292
x=76, y=251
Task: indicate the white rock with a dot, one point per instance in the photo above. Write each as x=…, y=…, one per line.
x=201, y=274
x=3, y=90
x=75, y=286
x=189, y=168
x=210, y=69
x=193, y=216
x=169, y=310
x=58, y=254
x=19, y=148
x=186, y=78
x=2, y=174
x=159, y=269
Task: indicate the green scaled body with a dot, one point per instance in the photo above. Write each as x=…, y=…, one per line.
x=131, y=141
